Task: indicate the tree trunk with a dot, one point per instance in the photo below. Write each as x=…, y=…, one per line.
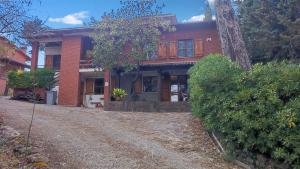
x=133, y=95
x=231, y=38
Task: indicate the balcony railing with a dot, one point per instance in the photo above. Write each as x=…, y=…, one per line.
x=86, y=63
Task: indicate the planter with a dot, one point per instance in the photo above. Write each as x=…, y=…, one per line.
x=118, y=98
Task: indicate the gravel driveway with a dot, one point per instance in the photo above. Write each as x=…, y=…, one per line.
x=88, y=138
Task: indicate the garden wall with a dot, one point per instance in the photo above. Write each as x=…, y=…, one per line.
x=143, y=106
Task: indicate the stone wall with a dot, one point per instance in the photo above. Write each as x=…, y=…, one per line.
x=142, y=106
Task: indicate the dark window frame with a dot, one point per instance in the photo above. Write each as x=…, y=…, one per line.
x=186, y=48
x=56, y=62
x=97, y=86
x=150, y=87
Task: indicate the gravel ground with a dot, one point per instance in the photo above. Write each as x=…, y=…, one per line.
x=81, y=138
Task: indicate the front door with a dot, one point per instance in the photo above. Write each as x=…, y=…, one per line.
x=178, y=88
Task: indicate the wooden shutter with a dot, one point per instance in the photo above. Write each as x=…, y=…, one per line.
x=198, y=47
x=173, y=49
x=138, y=86
x=89, y=86
x=48, y=61
x=162, y=50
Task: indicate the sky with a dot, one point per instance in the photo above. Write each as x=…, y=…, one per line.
x=73, y=13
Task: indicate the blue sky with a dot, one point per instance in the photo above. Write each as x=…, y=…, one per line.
x=72, y=13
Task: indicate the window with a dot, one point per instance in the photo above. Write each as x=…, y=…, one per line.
x=56, y=62
x=150, y=84
x=99, y=86
x=151, y=53
x=185, y=48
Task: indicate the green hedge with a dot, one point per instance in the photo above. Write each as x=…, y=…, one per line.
x=255, y=111
x=42, y=78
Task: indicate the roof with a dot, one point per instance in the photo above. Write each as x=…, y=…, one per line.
x=12, y=61
x=163, y=62
x=19, y=50
x=81, y=30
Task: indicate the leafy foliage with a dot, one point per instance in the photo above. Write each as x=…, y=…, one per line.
x=271, y=29
x=41, y=78
x=118, y=92
x=128, y=35
x=255, y=111
x=16, y=22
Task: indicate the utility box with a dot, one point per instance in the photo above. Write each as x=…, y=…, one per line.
x=51, y=97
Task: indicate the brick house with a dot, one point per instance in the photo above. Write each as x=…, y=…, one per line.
x=163, y=83
x=11, y=58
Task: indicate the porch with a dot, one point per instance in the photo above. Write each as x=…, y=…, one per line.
x=91, y=88
x=159, y=88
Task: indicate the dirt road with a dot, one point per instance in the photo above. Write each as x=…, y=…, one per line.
x=80, y=138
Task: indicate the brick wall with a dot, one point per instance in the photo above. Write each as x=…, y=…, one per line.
x=69, y=80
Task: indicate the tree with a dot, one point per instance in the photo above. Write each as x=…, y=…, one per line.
x=129, y=35
x=231, y=38
x=271, y=29
x=208, y=13
x=15, y=20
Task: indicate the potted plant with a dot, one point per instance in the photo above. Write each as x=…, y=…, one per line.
x=119, y=94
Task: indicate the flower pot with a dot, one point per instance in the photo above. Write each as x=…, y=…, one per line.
x=118, y=98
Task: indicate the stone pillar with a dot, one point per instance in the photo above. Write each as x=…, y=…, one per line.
x=106, y=86
x=69, y=77
x=34, y=55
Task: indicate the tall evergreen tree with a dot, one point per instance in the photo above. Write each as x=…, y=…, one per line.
x=208, y=13
x=271, y=29
x=231, y=38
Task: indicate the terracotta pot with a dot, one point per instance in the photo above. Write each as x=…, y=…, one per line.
x=118, y=98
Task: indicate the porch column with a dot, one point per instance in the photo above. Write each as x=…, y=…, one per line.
x=106, y=86
x=34, y=55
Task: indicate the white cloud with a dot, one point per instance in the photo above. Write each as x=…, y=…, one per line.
x=197, y=18
x=71, y=19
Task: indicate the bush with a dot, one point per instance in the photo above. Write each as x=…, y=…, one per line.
x=257, y=111
x=118, y=92
x=43, y=78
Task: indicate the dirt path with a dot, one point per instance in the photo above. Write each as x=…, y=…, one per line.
x=88, y=138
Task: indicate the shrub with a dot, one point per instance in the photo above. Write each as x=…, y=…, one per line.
x=19, y=79
x=119, y=93
x=256, y=111
x=43, y=78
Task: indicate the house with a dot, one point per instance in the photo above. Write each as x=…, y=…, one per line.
x=162, y=85
x=11, y=58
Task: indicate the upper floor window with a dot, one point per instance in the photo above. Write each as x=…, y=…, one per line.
x=185, y=48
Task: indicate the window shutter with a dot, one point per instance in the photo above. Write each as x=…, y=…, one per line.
x=173, y=49
x=138, y=86
x=48, y=61
x=198, y=47
x=90, y=86
x=162, y=51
